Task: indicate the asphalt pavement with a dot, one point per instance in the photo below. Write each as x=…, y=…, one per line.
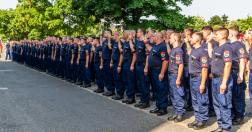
x=32, y=101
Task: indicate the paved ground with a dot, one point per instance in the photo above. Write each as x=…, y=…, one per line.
x=37, y=102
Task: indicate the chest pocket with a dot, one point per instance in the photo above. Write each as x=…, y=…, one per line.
x=217, y=56
x=82, y=51
x=173, y=59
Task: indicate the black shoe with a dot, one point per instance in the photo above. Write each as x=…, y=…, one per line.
x=55, y=75
x=238, y=121
x=162, y=112
x=191, y=125
x=211, y=113
x=144, y=105
x=169, y=101
x=105, y=93
x=99, y=91
x=172, y=118
x=110, y=93
x=180, y=118
x=131, y=101
x=124, y=101
x=233, y=117
x=117, y=97
x=92, y=80
x=189, y=108
x=137, y=95
x=78, y=83
x=199, y=125
x=87, y=85
x=139, y=104
x=72, y=81
x=95, y=82
x=60, y=76
x=68, y=80
x=152, y=98
x=219, y=129
x=155, y=110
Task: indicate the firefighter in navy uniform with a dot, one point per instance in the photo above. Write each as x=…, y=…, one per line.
x=222, y=81
x=238, y=68
x=158, y=62
x=198, y=68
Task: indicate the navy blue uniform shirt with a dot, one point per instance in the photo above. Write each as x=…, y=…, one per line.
x=70, y=51
x=105, y=50
x=97, y=54
x=221, y=55
x=157, y=55
x=140, y=52
x=84, y=51
x=57, y=50
x=185, y=55
x=176, y=58
x=76, y=51
x=239, y=52
x=50, y=48
x=116, y=51
x=127, y=51
x=198, y=59
x=63, y=50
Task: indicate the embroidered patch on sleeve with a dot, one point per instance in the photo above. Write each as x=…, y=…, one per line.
x=226, y=53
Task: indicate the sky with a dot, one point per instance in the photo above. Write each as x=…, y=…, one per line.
x=234, y=9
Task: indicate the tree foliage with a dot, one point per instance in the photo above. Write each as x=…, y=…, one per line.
x=245, y=24
x=198, y=23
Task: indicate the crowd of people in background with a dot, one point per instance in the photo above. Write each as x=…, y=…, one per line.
x=201, y=71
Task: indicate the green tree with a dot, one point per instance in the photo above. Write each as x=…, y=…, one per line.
x=215, y=20
x=131, y=12
x=198, y=23
x=245, y=24
x=234, y=23
x=224, y=20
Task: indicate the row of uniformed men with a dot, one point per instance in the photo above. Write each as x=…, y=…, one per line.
x=135, y=63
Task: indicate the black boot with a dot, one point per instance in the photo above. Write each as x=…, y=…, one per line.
x=199, y=125
x=131, y=101
x=87, y=85
x=144, y=105
x=180, y=118
x=238, y=121
x=138, y=104
x=172, y=118
x=155, y=110
x=191, y=125
x=162, y=112
x=189, y=108
x=78, y=83
x=211, y=113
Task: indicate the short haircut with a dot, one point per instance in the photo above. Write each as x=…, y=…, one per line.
x=199, y=34
x=60, y=38
x=159, y=34
x=143, y=30
x=116, y=33
x=224, y=32
x=97, y=39
x=70, y=38
x=108, y=30
x=190, y=29
x=177, y=36
x=208, y=28
x=214, y=31
x=127, y=31
x=152, y=31
x=235, y=30
x=77, y=37
x=176, y=32
x=163, y=32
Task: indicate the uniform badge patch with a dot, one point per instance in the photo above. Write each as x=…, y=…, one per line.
x=162, y=54
x=226, y=59
x=204, y=60
x=241, y=50
x=100, y=53
x=226, y=53
x=192, y=61
x=171, y=60
x=177, y=57
x=216, y=59
x=139, y=51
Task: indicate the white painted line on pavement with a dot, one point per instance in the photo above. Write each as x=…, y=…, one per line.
x=6, y=70
x=4, y=88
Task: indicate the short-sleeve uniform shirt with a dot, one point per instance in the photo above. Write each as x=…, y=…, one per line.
x=221, y=55
x=176, y=58
x=157, y=55
x=239, y=52
x=127, y=54
x=198, y=59
x=116, y=51
x=97, y=54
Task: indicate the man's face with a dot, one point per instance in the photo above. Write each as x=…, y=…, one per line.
x=115, y=36
x=76, y=41
x=125, y=35
x=82, y=41
x=172, y=39
x=58, y=40
x=106, y=34
x=64, y=39
x=138, y=33
x=218, y=36
x=154, y=38
x=205, y=34
x=194, y=39
x=149, y=35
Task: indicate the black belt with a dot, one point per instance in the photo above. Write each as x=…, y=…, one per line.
x=155, y=68
x=217, y=75
x=106, y=59
x=139, y=64
x=115, y=61
x=250, y=71
x=96, y=62
x=127, y=60
x=185, y=65
x=235, y=70
x=172, y=72
x=63, y=56
x=82, y=59
x=195, y=75
x=58, y=56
